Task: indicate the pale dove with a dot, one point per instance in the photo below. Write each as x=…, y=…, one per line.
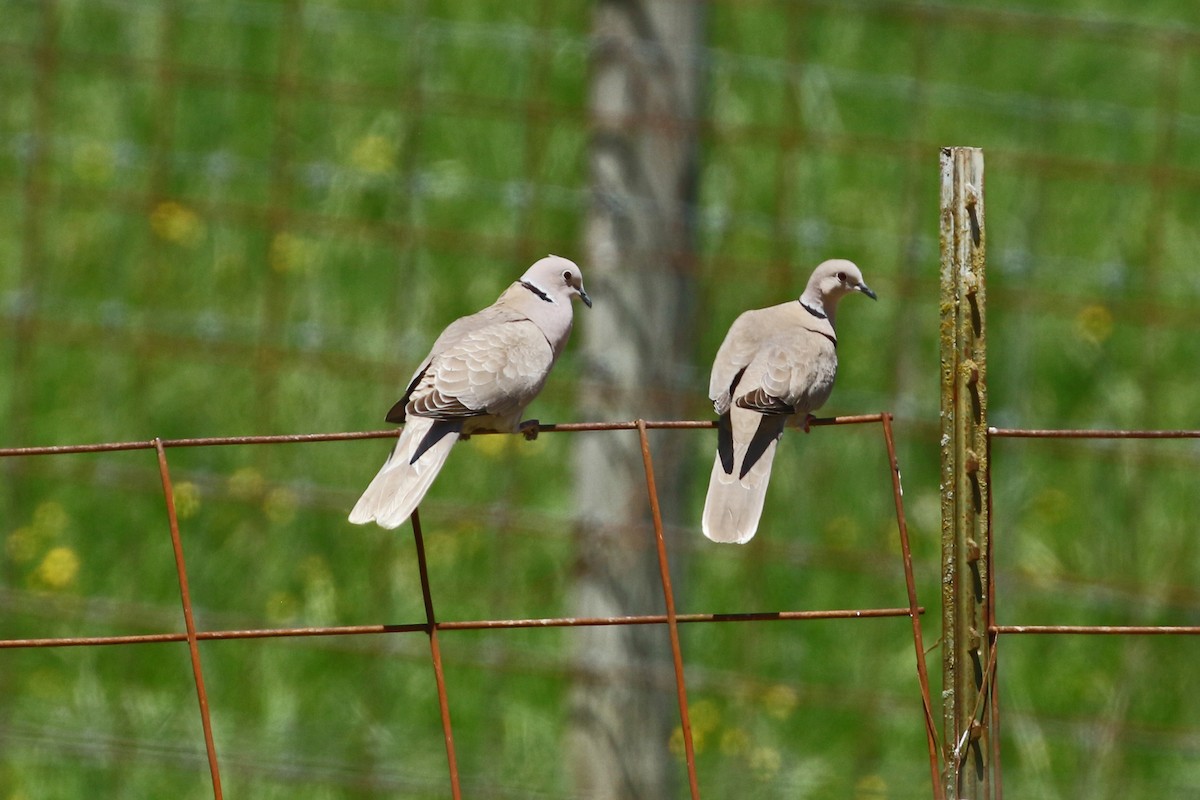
x=479, y=376
x=775, y=366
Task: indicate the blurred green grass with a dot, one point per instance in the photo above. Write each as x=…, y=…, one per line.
x=233, y=218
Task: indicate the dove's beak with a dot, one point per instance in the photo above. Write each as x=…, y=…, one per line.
x=862, y=287
x=583, y=295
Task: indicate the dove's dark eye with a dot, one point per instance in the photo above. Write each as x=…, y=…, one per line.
x=567, y=275
x=841, y=276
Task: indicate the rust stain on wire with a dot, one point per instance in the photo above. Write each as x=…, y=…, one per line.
x=189, y=621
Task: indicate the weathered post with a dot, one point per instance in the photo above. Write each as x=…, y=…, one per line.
x=644, y=104
x=964, y=486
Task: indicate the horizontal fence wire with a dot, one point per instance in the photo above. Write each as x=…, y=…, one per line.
x=461, y=625
x=1085, y=433
x=308, y=438
x=432, y=626
x=1104, y=630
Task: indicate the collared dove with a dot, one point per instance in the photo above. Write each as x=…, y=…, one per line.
x=479, y=376
x=774, y=368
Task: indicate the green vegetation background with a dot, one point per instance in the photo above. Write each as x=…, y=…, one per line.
x=225, y=218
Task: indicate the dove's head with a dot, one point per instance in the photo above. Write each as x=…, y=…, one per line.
x=831, y=281
x=557, y=277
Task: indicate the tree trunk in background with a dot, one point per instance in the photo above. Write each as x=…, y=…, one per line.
x=637, y=344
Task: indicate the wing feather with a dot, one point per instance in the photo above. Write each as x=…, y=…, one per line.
x=495, y=369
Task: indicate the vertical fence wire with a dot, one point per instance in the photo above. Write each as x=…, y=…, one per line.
x=188, y=618
x=910, y=585
x=664, y=569
x=435, y=653
x=993, y=682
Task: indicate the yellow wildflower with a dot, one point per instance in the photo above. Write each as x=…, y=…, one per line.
x=176, y=223
x=58, y=569
x=1094, y=323
x=187, y=499
x=374, y=154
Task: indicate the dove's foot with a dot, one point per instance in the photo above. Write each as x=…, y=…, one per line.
x=529, y=429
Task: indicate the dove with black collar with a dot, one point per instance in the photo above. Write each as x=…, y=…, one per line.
x=481, y=373
x=775, y=367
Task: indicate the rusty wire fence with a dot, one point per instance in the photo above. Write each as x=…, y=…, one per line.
x=974, y=753
x=432, y=626
x=971, y=632
x=969, y=751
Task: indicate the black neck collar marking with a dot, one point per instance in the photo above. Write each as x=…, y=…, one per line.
x=536, y=291
x=813, y=311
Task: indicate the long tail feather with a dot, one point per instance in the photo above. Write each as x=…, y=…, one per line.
x=408, y=473
x=734, y=503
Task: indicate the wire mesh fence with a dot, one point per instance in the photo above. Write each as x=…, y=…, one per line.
x=971, y=634
x=998, y=630
x=433, y=626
